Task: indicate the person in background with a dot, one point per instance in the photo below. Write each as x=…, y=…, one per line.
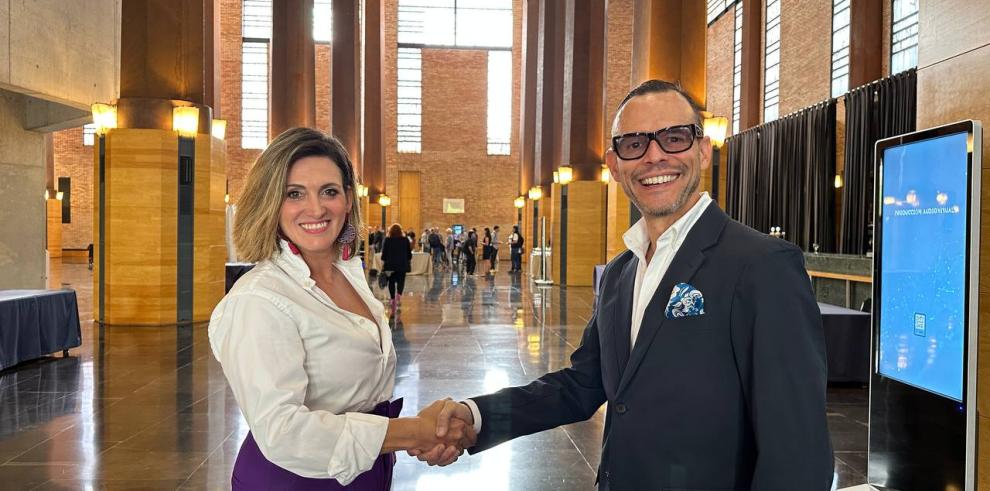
x=397, y=261
x=516, y=242
x=496, y=243
x=468, y=252
x=424, y=241
x=486, y=252
x=436, y=249
x=302, y=341
x=451, y=243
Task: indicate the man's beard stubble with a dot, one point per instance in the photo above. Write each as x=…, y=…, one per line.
x=682, y=198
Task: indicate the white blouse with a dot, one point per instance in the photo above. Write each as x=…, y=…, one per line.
x=305, y=371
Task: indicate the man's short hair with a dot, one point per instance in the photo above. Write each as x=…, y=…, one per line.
x=659, y=87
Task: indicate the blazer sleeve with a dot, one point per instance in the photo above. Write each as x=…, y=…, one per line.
x=780, y=349
x=557, y=398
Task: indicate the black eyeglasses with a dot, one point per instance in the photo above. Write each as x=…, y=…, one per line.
x=673, y=139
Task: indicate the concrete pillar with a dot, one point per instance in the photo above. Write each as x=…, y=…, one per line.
x=293, y=73
x=577, y=209
x=346, y=77
x=529, y=81
x=373, y=160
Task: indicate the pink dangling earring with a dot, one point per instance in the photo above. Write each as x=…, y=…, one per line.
x=347, y=234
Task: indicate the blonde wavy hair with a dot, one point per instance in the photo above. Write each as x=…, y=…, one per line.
x=256, y=231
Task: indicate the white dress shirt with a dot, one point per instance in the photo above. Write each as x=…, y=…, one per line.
x=648, y=275
x=305, y=371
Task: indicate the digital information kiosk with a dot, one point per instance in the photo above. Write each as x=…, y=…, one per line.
x=925, y=290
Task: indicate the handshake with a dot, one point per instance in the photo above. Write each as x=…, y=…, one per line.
x=444, y=429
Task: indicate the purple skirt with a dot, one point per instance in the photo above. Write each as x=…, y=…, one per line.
x=252, y=471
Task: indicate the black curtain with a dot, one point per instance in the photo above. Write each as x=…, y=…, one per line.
x=874, y=111
x=779, y=175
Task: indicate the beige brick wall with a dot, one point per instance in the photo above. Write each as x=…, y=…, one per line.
x=805, y=53
x=75, y=161
x=454, y=162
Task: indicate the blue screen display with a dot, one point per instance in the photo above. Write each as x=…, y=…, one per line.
x=923, y=264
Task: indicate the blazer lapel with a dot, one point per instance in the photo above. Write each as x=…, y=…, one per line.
x=622, y=314
x=686, y=262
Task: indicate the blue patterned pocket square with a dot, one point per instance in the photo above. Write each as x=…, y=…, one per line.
x=685, y=300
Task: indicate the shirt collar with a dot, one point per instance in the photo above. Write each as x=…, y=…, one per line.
x=297, y=268
x=637, y=238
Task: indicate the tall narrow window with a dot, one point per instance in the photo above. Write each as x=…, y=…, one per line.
x=322, y=21
x=904, y=36
x=257, y=34
x=840, y=47
x=737, y=69
x=409, y=111
x=89, y=134
x=476, y=24
x=716, y=7
x=499, y=102
x=771, y=77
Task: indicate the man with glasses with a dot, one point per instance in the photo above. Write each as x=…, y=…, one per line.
x=706, y=342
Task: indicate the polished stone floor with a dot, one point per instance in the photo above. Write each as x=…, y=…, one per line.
x=148, y=408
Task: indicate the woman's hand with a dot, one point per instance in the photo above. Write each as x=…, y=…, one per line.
x=418, y=434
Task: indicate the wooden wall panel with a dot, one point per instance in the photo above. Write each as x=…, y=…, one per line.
x=54, y=227
x=411, y=201
x=585, y=240
x=141, y=196
x=617, y=213
x=209, y=249
x=949, y=27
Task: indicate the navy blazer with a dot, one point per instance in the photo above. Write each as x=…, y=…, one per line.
x=733, y=399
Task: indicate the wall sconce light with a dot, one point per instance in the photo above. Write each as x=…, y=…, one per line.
x=556, y=177
x=104, y=117
x=606, y=175
x=219, y=128
x=226, y=198
x=535, y=193
x=362, y=191
x=715, y=130
x=519, y=202
x=565, y=174
x=47, y=195
x=838, y=181
x=185, y=120
x=59, y=195
x=384, y=200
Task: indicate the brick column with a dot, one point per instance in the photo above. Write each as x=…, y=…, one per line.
x=293, y=72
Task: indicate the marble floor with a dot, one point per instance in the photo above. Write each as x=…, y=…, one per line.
x=148, y=408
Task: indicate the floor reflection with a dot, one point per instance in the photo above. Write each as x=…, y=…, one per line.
x=149, y=407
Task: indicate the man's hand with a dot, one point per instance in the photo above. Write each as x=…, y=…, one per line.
x=454, y=423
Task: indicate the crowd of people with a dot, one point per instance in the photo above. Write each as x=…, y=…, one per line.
x=452, y=251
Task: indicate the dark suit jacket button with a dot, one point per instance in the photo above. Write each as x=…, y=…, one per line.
x=620, y=408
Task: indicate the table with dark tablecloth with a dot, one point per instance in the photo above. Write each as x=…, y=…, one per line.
x=847, y=343
x=35, y=323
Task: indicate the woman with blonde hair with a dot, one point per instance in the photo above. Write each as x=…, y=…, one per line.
x=303, y=342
